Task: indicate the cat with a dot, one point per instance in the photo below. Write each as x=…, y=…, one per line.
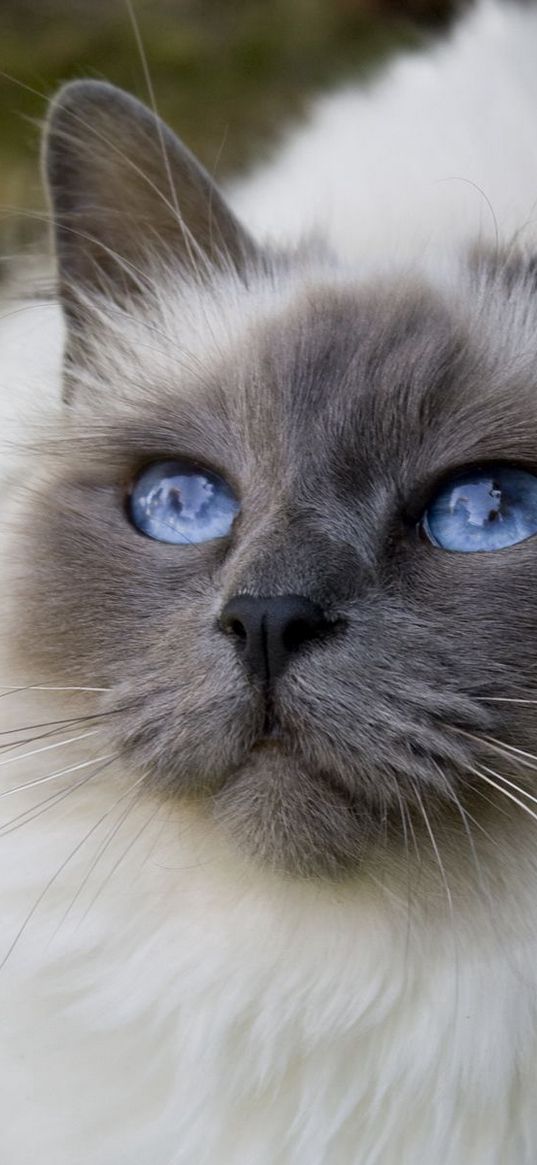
x=268, y=852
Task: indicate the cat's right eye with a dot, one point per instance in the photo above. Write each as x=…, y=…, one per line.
x=174, y=501
x=483, y=510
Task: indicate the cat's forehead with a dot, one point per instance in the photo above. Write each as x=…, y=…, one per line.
x=396, y=369
x=290, y=373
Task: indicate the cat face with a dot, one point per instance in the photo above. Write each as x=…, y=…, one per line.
x=320, y=674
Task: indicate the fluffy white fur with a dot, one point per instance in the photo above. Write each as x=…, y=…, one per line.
x=439, y=151
x=163, y=1003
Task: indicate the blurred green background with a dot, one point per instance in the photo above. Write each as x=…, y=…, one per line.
x=228, y=74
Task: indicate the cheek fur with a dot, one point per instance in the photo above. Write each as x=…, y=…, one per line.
x=373, y=721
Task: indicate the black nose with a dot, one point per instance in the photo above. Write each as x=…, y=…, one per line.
x=268, y=631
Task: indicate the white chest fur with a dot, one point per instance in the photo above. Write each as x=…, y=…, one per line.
x=187, y=1010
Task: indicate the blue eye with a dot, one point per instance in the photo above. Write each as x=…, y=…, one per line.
x=173, y=501
x=483, y=509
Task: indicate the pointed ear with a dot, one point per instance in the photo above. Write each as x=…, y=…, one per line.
x=126, y=195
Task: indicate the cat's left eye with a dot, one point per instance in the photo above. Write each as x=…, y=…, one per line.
x=173, y=501
x=483, y=509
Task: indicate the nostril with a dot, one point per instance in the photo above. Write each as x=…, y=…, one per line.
x=235, y=627
x=231, y=625
x=297, y=633
x=301, y=631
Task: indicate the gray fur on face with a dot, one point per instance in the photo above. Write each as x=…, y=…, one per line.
x=334, y=410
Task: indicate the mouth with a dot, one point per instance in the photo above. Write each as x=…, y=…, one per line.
x=272, y=737
x=268, y=744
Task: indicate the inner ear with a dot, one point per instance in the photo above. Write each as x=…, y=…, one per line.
x=127, y=197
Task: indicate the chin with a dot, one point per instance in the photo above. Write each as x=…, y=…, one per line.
x=291, y=819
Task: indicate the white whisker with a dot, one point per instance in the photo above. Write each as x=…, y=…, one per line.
x=53, y=723
x=158, y=124
x=512, y=784
x=63, y=724
x=508, y=751
x=50, y=883
x=504, y=700
x=466, y=817
x=8, y=688
x=434, y=844
x=6, y=828
x=503, y=747
x=48, y=747
x=499, y=809
x=121, y=858
x=102, y=848
x=500, y=789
